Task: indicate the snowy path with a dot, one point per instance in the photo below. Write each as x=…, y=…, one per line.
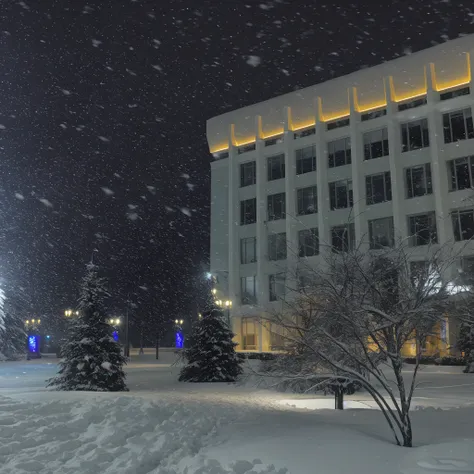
x=163, y=427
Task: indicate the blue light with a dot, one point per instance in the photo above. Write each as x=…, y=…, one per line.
x=115, y=336
x=179, y=340
x=47, y=337
x=33, y=344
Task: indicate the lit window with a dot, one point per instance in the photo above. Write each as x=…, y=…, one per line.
x=423, y=229
x=381, y=233
x=276, y=206
x=458, y=125
x=339, y=152
x=340, y=194
x=307, y=200
x=415, y=135
x=378, y=188
x=306, y=160
x=249, y=334
x=376, y=144
x=418, y=180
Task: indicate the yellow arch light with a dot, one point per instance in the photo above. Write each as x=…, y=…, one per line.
x=458, y=82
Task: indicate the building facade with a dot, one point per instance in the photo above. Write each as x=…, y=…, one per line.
x=364, y=159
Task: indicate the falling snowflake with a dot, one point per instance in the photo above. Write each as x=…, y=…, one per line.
x=66, y=92
x=19, y=196
x=107, y=191
x=133, y=216
x=104, y=139
x=158, y=68
x=254, y=60
x=96, y=43
x=2, y=127
x=185, y=176
x=132, y=206
x=186, y=211
x=45, y=202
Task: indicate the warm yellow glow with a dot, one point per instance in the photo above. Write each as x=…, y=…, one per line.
x=247, y=141
x=336, y=116
x=218, y=150
x=117, y=321
x=273, y=134
x=416, y=95
x=301, y=126
x=39, y=321
x=458, y=82
x=27, y=321
x=214, y=291
x=33, y=321
x=372, y=106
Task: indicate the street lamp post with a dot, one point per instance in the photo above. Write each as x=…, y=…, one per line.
x=179, y=334
x=33, y=340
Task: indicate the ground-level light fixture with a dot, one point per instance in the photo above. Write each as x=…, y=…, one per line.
x=178, y=321
x=214, y=291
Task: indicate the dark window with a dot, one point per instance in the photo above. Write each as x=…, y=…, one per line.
x=343, y=238
x=462, y=173
x=246, y=148
x=412, y=104
x=248, y=211
x=423, y=229
x=276, y=206
x=466, y=271
x=340, y=194
x=378, y=188
x=274, y=141
x=276, y=167
x=306, y=160
x=277, y=246
x=248, y=289
x=277, y=283
x=418, y=180
x=307, y=200
x=305, y=133
x=415, y=135
x=373, y=115
x=338, y=124
x=308, y=240
x=376, y=144
x=248, y=250
x=248, y=174
x=339, y=152
x=458, y=125
x=381, y=233
x=463, y=224
x=455, y=93
x=249, y=334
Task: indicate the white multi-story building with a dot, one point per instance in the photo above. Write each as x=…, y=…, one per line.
x=383, y=153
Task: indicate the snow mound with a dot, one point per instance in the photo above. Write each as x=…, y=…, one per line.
x=112, y=434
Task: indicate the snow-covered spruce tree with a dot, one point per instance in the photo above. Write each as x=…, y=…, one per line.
x=91, y=358
x=211, y=355
x=12, y=333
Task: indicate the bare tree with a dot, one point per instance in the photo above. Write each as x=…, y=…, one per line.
x=352, y=320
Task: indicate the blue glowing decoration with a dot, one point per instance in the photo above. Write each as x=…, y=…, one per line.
x=33, y=344
x=47, y=337
x=115, y=336
x=179, y=340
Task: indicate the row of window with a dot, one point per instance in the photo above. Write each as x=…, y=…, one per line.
x=378, y=188
x=421, y=227
x=457, y=125
x=277, y=281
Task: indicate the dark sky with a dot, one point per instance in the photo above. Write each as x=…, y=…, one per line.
x=102, y=123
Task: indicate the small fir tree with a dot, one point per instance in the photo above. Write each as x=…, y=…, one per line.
x=12, y=333
x=91, y=358
x=211, y=356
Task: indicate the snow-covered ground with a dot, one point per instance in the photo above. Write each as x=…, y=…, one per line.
x=165, y=427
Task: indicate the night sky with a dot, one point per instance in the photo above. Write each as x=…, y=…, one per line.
x=103, y=108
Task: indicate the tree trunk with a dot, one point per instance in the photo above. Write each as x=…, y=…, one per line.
x=339, y=399
x=141, y=351
x=157, y=347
